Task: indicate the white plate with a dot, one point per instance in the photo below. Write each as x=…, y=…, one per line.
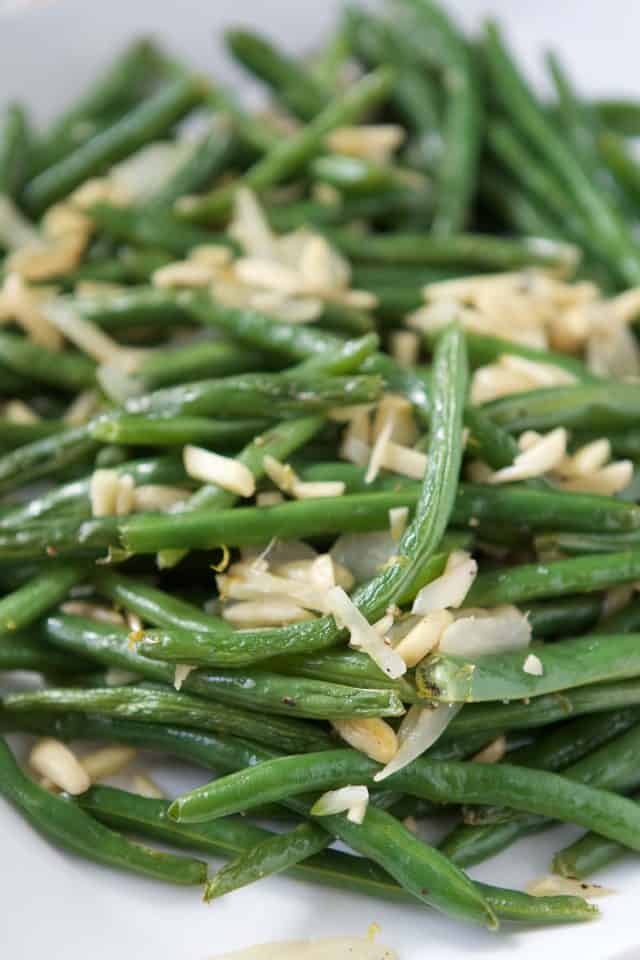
x=57, y=906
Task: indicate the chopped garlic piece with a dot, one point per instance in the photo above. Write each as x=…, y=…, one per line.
x=350, y=800
x=370, y=735
x=362, y=635
x=111, y=493
x=226, y=472
x=533, y=665
x=55, y=761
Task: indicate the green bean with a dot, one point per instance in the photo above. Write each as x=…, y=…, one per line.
x=13, y=435
x=456, y=250
x=251, y=394
x=438, y=43
x=579, y=544
x=14, y=147
x=355, y=174
x=44, y=457
x=271, y=855
x=166, y=367
x=133, y=308
x=157, y=607
x=376, y=42
x=67, y=825
x=577, y=118
x=75, y=495
x=114, y=90
x=611, y=234
x=153, y=227
x=484, y=348
x=566, y=746
x=289, y=155
x=213, y=752
x=569, y=663
x=22, y=651
x=377, y=207
x=61, y=370
x=543, y=189
x=345, y=666
x=530, y=791
x=281, y=694
x=623, y=116
x=587, y=855
x=576, y=575
x=594, y=407
x=204, y=529
x=156, y=705
x=208, y=158
x=496, y=717
x=169, y=431
x=37, y=596
x=621, y=163
x=624, y=621
x=295, y=87
x=565, y=616
x=610, y=767
x=145, y=122
x=418, y=867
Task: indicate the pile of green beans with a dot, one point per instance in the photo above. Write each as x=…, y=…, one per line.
x=178, y=333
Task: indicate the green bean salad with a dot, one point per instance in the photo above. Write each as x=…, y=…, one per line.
x=319, y=433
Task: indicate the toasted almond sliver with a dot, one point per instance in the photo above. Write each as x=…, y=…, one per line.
x=370, y=735
x=107, y=761
x=54, y=760
x=423, y=637
x=144, y=786
x=607, y=481
x=274, y=611
x=226, y=472
x=493, y=752
x=181, y=673
x=323, y=488
x=153, y=496
x=398, y=519
x=405, y=347
x=540, y=458
x=555, y=886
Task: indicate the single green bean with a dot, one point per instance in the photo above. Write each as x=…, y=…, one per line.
x=587, y=855
x=149, y=120
x=45, y=457
x=27, y=604
x=23, y=651
x=68, y=826
x=14, y=149
x=193, y=361
x=497, y=717
x=210, y=155
x=297, y=89
x=458, y=250
x=623, y=116
x=576, y=575
x=59, y=369
x=152, y=227
x=567, y=616
x=169, y=431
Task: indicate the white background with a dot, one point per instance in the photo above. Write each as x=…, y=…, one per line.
x=57, y=906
